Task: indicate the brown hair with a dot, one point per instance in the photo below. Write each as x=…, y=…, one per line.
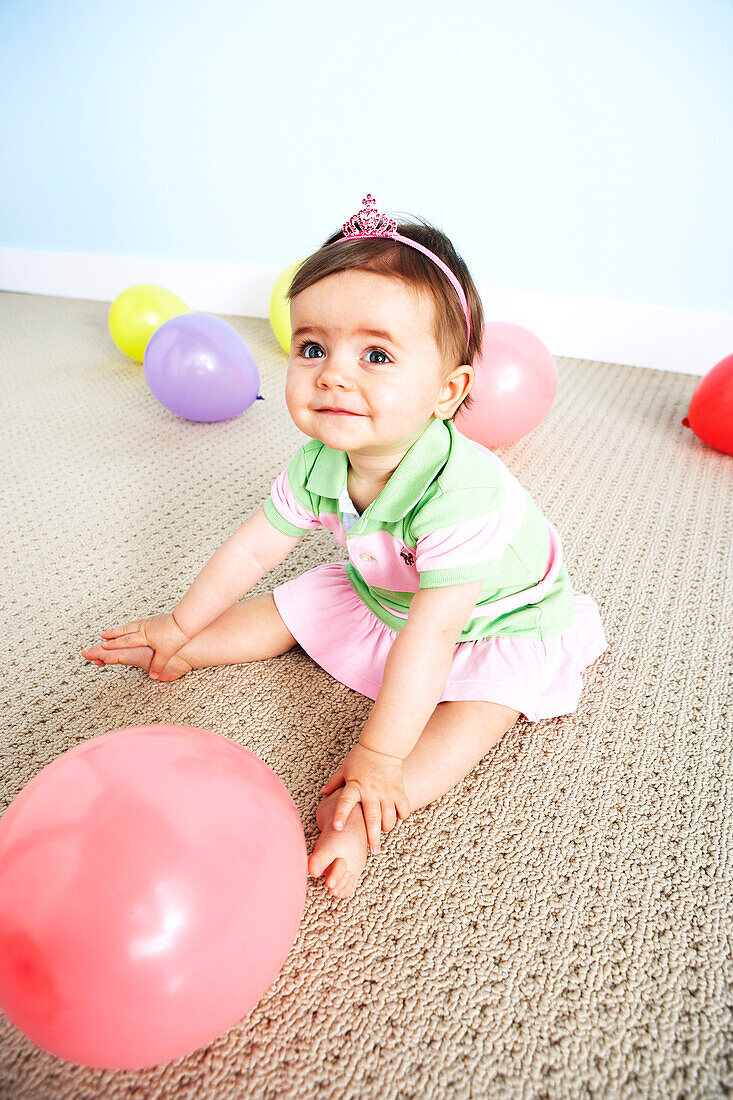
x=418, y=273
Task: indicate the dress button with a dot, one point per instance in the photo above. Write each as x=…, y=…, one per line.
x=366, y=557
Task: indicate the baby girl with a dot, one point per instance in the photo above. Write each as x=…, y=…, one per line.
x=455, y=612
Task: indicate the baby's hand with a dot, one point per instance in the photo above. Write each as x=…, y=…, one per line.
x=161, y=633
x=374, y=779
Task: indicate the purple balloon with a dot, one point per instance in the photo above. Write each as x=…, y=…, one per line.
x=199, y=367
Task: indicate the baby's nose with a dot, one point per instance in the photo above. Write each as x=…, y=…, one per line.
x=335, y=372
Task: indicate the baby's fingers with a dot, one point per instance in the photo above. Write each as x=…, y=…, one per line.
x=158, y=664
x=373, y=820
x=123, y=637
x=118, y=631
x=345, y=805
x=389, y=816
x=403, y=808
x=392, y=809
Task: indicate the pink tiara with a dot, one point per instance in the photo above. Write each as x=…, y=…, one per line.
x=369, y=222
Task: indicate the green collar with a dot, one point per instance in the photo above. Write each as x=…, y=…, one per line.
x=418, y=467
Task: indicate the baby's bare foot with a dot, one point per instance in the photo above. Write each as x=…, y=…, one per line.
x=341, y=854
x=138, y=657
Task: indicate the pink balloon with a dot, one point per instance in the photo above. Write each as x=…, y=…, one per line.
x=152, y=882
x=515, y=383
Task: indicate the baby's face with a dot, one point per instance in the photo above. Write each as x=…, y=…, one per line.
x=389, y=385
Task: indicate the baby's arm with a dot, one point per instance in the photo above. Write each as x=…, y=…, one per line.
x=415, y=672
x=252, y=551
x=417, y=667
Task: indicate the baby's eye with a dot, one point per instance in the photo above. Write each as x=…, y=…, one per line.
x=379, y=352
x=307, y=344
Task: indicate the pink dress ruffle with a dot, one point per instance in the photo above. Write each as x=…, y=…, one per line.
x=539, y=678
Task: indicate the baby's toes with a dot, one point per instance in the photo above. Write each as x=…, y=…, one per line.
x=334, y=874
x=347, y=885
x=340, y=881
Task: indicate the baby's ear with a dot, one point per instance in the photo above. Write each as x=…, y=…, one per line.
x=455, y=388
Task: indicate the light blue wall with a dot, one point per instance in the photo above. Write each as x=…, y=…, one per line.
x=576, y=146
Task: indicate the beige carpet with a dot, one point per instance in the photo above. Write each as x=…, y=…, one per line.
x=557, y=926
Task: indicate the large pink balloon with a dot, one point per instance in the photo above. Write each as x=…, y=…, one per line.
x=515, y=383
x=152, y=882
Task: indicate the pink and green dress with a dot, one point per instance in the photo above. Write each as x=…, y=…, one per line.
x=451, y=513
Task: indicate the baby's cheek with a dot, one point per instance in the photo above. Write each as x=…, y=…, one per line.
x=289, y=388
x=392, y=399
x=295, y=396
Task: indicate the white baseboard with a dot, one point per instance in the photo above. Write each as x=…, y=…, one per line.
x=688, y=341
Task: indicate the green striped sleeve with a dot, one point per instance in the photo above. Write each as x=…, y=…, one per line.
x=279, y=522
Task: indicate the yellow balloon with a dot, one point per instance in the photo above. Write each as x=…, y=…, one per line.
x=280, y=307
x=137, y=312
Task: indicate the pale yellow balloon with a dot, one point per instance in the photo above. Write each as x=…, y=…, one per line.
x=280, y=307
x=137, y=312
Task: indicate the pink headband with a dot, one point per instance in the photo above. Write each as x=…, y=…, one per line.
x=368, y=222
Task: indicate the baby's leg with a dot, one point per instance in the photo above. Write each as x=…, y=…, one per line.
x=251, y=630
x=457, y=736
